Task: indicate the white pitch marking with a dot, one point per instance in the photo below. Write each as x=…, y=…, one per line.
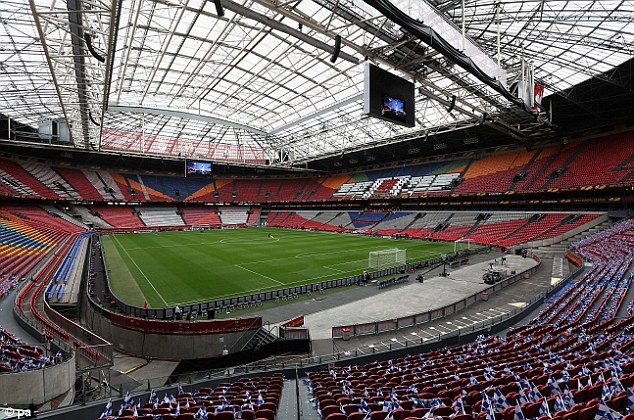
x=141, y=271
x=261, y=275
x=327, y=267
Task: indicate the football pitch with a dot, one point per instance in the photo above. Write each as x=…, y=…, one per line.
x=170, y=268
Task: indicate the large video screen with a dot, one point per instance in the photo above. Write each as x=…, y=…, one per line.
x=197, y=168
x=388, y=96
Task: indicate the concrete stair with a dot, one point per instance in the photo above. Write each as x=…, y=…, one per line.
x=261, y=338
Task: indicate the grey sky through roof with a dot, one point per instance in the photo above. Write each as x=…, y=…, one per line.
x=177, y=80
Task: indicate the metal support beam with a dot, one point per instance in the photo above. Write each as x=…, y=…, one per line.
x=76, y=74
x=185, y=115
x=318, y=113
x=77, y=41
x=49, y=61
x=248, y=13
x=496, y=123
x=115, y=16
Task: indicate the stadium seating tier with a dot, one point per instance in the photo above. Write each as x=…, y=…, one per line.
x=601, y=161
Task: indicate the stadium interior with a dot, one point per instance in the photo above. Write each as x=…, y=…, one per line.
x=317, y=209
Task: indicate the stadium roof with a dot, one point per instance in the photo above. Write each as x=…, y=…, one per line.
x=171, y=77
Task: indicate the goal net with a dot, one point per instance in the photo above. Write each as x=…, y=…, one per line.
x=386, y=258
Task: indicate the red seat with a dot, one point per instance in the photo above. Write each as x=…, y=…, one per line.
x=443, y=411
x=265, y=414
x=325, y=401
x=588, y=413
x=161, y=410
x=577, y=407
x=343, y=401
x=531, y=409
x=481, y=416
x=356, y=416
x=571, y=415
x=507, y=414
x=246, y=415
x=581, y=395
x=225, y=415
x=618, y=403
x=325, y=411
x=375, y=407
x=595, y=391
x=407, y=405
x=512, y=397
x=268, y=406
x=401, y=414
x=351, y=408
x=420, y=412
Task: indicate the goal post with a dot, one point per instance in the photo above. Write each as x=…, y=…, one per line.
x=462, y=245
x=386, y=258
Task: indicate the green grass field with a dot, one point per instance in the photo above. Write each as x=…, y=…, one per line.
x=170, y=268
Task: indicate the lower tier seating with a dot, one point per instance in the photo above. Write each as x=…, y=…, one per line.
x=246, y=398
x=18, y=356
x=119, y=216
x=500, y=228
x=574, y=361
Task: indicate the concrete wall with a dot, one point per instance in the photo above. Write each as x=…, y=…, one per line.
x=37, y=386
x=166, y=346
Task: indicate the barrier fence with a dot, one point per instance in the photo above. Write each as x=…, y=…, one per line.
x=166, y=228
x=92, y=351
x=154, y=326
x=378, y=327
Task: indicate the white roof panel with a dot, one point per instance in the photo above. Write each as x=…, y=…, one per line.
x=241, y=81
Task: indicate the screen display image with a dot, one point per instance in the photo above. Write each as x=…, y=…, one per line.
x=388, y=97
x=393, y=108
x=197, y=168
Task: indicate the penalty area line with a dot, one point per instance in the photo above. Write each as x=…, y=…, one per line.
x=328, y=267
x=261, y=275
